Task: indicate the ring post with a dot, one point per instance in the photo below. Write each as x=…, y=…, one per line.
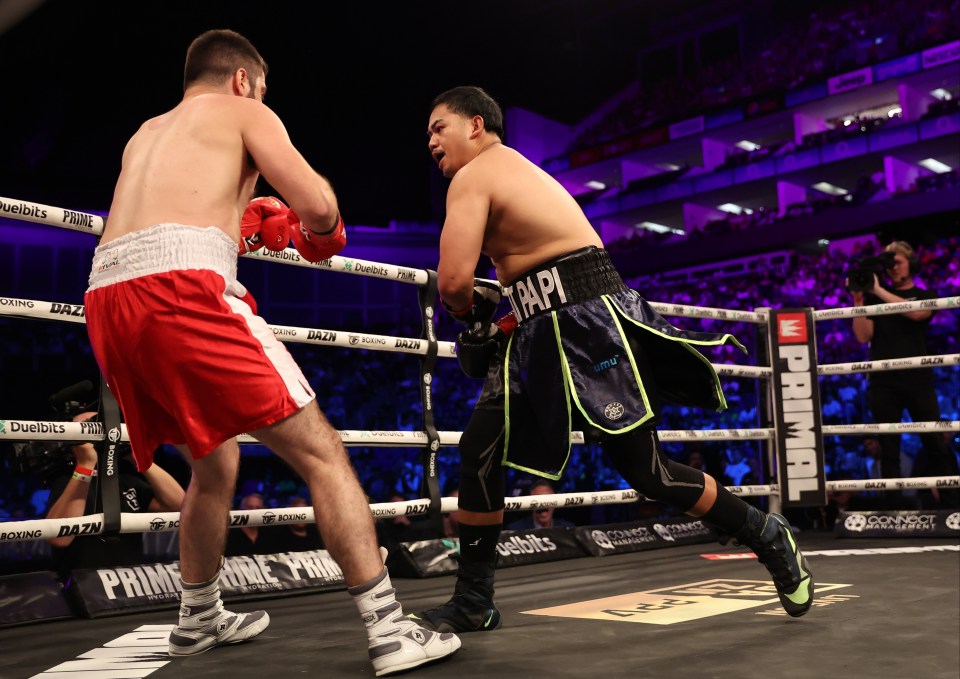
x=765, y=396
x=431, y=478
x=795, y=386
x=108, y=462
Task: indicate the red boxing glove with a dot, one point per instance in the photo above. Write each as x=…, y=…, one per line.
x=264, y=224
x=313, y=246
x=507, y=324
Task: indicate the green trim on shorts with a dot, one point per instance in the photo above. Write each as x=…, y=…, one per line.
x=713, y=343
x=686, y=345
x=506, y=405
x=716, y=378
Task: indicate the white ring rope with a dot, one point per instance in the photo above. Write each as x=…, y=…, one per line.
x=31, y=430
x=356, y=340
x=154, y=522
x=94, y=225
x=75, y=313
x=52, y=216
x=886, y=309
x=935, y=361
x=668, y=309
x=340, y=264
x=733, y=370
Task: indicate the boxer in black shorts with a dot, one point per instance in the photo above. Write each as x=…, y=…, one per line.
x=586, y=353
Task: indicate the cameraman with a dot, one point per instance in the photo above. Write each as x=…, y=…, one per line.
x=901, y=336
x=153, y=490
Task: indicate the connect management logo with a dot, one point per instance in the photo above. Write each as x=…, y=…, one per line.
x=897, y=523
x=855, y=522
x=602, y=539
x=663, y=532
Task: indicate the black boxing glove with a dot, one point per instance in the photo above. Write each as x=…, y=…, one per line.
x=477, y=316
x=475, y=349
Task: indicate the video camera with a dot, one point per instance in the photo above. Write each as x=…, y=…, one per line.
x=47, y=459
x=861, y=273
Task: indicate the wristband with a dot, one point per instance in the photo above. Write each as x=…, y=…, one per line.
x=457, y=313
x=337, y=222
x=83, y=478
x=83, y=470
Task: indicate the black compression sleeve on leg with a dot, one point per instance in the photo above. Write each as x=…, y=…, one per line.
x=481, y=458
x=728, y=513
x=638, y=458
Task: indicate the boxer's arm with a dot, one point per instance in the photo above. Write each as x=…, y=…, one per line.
x=468, y=206
x=308, y=193
x=862, y=325
x=167, y=493
x=72, y=502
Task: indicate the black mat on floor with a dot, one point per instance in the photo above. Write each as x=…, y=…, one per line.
x=885, y=608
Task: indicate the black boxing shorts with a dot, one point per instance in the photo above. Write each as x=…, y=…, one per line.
x=575, y=359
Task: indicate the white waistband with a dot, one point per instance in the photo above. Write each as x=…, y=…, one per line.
x=160, y=248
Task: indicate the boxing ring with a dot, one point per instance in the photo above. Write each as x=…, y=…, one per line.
x=864, y=589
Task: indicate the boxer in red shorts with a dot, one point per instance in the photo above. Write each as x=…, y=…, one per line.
x=191, y=364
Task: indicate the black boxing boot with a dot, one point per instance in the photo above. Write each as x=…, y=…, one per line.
x=471, y=609
x=770, y=537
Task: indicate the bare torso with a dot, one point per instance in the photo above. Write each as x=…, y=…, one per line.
x=532, y=217
x=187, y=166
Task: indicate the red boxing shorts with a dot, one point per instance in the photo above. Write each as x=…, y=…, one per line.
x=179, y=342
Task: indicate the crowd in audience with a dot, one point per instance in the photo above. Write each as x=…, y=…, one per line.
x=834, y=40
x=868, y=189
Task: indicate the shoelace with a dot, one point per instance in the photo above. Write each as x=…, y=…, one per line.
x=216, y=611
x=774, y=557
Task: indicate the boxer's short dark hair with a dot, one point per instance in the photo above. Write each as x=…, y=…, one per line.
x=468, y=100
x=217, y=54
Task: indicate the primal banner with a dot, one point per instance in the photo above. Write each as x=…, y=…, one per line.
x=796, y=405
